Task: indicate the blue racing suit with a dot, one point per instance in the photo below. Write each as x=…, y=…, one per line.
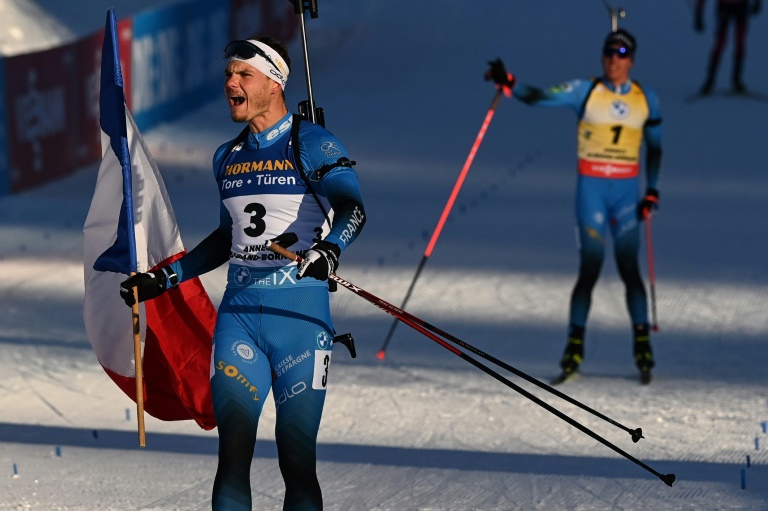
x=274, y=331
x=613, y=123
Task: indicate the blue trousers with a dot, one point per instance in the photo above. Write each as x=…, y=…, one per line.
x=277, y=339
x=603, y=204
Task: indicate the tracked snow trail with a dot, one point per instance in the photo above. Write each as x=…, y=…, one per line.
x=423, y=430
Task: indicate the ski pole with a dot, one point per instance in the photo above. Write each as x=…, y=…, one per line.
x=288, y=239
x=446, y=211
x=399, y=313
x=636, y=434
x=651, y=276
x=405, y=317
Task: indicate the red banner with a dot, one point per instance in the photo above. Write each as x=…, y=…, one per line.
x=53, y=110
x=42, y=101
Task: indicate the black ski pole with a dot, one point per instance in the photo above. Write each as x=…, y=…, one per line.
x=307, y=108
x=636, y=434
x=399, y=313
x=403, y=316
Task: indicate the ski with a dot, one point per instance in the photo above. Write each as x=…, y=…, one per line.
x=560, y=379
x=564, y=377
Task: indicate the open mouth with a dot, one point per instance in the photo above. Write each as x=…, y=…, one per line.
x=236, y=100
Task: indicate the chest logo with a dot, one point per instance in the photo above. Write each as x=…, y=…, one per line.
x=619, y=109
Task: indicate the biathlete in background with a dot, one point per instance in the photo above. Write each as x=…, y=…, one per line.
x=728, y=11
x=615, y=116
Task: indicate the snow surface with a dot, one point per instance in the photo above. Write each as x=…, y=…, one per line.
x=401, y=84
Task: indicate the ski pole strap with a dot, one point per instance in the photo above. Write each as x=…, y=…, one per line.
x=295, y=128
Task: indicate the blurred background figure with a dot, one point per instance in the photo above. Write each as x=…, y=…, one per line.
x=738, y=12
x=616, y=116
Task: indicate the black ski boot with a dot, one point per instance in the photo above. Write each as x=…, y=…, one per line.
x=737, y=86
x=572, y=356
x=642, y=352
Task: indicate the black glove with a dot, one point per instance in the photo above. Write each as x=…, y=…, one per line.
x=698, y=22
x=503, y=79
x=648, y=205
x=320, y=261
x=149, y=285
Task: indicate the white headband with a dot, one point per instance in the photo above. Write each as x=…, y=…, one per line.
x=265, y=66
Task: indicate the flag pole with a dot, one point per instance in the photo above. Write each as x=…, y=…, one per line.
x=139, y=363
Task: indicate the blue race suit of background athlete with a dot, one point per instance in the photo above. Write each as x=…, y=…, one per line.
x=273, y=331
x=605, y=202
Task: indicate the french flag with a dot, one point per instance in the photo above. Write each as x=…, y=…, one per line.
x=131, y=228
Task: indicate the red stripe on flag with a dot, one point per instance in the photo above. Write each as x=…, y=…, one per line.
x=177, y=355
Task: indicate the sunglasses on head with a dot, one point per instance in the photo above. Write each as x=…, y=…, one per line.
x=247, y=50
x=620, y=52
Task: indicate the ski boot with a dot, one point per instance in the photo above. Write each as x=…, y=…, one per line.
x=572, y=356
x=642, y=352
x=706, y=88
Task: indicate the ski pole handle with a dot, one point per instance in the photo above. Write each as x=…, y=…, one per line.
x=277, y=249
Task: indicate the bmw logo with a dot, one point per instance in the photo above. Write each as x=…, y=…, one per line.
x=619, y=109
x=242, y=276
x=323, y=341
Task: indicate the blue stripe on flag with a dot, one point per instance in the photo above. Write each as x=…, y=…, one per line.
x=120, y=257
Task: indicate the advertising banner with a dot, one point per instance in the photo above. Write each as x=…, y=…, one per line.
x=177, y=59
x=52, y=118
x=42, y=107
x=5, y=178
x=206, y=33
x=172, y=63
x=157, y=65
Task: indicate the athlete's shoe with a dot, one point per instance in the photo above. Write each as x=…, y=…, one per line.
x=573, y=354
x=642, y=351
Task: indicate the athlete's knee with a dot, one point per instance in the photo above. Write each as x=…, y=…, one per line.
x=591, y=258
